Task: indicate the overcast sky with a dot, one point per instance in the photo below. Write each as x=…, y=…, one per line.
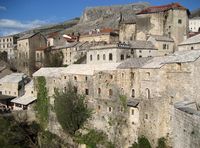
x=20, y=15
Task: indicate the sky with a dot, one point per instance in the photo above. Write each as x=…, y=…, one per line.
x=19, y=15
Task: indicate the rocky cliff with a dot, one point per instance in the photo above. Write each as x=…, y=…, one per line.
x=107, y=16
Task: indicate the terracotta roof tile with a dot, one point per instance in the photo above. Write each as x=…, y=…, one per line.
x=162, y=8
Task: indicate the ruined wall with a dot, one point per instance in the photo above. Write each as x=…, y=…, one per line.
x=155, y=119
x=186, y=130
x=127, y=32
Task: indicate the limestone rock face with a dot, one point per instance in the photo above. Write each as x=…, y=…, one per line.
x=107, y=16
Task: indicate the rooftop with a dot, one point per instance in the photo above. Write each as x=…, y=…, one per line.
x=24, y=100
x=13, y=78
x=192, y=40
x=134, y=63
x=142, y=45
x=79, y=69
x=177, y=57
x=162, y=38
x=155, y=9
x=26, y=36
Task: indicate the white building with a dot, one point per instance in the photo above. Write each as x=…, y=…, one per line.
x=7, y=44
x=194, y=24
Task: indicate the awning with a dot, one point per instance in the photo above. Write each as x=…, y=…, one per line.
x=24, y=100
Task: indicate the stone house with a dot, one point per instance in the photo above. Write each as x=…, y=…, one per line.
x=167, y=20
x=72, y=52
x=25, y=102
x=26, y=51
x=100, y=35
x=190, y=43
x=164, y=44
x=13, y=84
x=143, y=49
x=7, y=44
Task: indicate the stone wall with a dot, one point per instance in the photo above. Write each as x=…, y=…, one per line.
x=186, y=130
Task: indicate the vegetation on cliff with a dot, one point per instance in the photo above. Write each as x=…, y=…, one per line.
x=42, y=105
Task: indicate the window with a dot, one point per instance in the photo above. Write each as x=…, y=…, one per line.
x=38, y=55
x=31, y=92
x=65, y=77
x=65, y=89
x=110, y=92
x=179, y=21
x=75, y=89
x=75, y=78
x=164, y=46
x=99, y=91
x=140, y=51
x=148, y=93
x=98, y=57
x=86, y=78
x=90, y=57
x=140, y=56
x=122, y=75
x=104, y=57
x=98, y=108
x=146, y=116
x=111, y=76
x=110, y=109
x=122, y=57
x=132, y=111
x=192, y=48
x=110, y=57
x=133, y=93
x=86, y=91
x=132, y=75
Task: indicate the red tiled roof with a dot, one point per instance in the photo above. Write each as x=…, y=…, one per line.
x=163, y=8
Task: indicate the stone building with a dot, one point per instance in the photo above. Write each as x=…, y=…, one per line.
x=7, y=44
x=13, y=84
x=25, y=102
x=26, y=51
x=100, y=35
x=194, y=24
x=164, y=44
x=167, y=20
x=55, y=39
x=143, y=49
x=190, y=43
x=73, y=52
x=127, y=31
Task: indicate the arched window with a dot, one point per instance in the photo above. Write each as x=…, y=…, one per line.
x=99, y=91
x=110, y=57
x=98, y=57
x=110, y=92
x=148, y=93
x=192, y=48
x=133, y=93
x=90, y=57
